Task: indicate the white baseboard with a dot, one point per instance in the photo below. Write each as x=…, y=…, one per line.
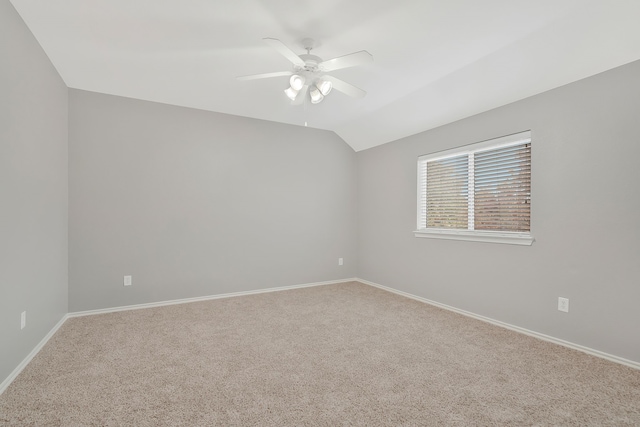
x=41, y=344
x=204, y=298
x=534, y=334
x=12, y=376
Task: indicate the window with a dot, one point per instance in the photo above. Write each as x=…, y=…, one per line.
x=478, y=192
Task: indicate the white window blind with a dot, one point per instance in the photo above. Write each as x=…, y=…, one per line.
x=482, y=189
x=447, y=188
x=503, y=189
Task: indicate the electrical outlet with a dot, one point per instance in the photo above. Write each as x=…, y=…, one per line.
x=23, y=319
x=128, y=281
x=563, y=304
x=340, y=261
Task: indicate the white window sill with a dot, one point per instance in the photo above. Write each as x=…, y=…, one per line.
x=477, y=236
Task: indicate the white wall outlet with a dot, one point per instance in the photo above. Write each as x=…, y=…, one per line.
x=23, y=319
x=340, y=261
x=128, y=281
x=563, y=304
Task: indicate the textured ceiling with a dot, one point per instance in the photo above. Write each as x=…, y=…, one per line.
x=434, y=61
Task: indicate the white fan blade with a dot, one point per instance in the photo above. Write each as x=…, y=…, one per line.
x=264, y=75
x=351, y=60
x=346, y=88
x=285, y=51
x=302, y=95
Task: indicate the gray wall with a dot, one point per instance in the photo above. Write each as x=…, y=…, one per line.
x=33, y=191
x=193, y=203
x=585, y=211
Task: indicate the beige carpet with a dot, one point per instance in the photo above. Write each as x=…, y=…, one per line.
x=345, y=354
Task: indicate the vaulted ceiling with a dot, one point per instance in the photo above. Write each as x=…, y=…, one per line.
x=434, y=62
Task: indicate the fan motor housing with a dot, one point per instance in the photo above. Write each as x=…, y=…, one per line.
x=310, y=63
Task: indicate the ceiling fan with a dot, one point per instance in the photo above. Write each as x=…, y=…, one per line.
x=309, y=72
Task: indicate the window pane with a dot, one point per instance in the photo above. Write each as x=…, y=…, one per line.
x=502, y=189
x=447, y=190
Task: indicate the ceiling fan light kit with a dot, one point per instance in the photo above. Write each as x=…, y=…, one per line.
x=291, y=93
x=324, y=86
x=316, y=96
x=309, y=73
x=297, y=82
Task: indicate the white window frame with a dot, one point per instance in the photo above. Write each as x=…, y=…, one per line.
x=508, y=237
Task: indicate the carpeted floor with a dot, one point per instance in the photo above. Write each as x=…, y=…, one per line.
x=345, y=354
